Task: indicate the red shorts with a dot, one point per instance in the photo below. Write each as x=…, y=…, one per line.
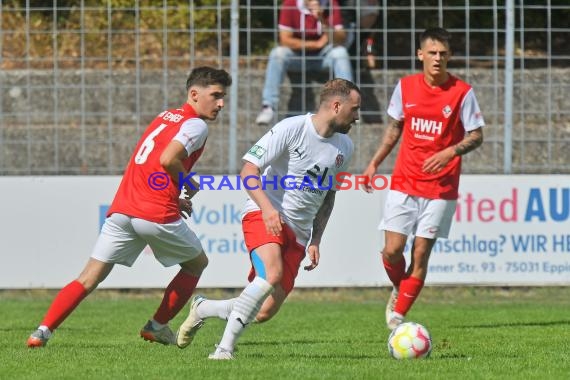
x=292, y=253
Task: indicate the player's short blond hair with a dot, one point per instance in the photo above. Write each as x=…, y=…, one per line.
x=337, y=87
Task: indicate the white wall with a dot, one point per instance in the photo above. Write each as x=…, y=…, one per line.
x=510, y=230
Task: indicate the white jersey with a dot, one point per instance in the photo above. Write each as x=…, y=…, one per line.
x=299, y=167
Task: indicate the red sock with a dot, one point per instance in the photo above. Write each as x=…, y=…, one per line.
x=64, y=303
x=410, y=289
x=395, y=271
x=175, y=297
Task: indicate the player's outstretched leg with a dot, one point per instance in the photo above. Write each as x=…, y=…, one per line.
x=63, y=304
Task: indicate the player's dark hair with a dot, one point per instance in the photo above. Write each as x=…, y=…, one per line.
x=436, y=34
x=205, y=76
x=337, y=87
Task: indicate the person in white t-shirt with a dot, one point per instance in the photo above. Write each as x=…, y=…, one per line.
x=287, y=210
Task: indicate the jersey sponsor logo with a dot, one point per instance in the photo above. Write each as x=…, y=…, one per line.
x=257, y=151
x=431, y=127
x=409, y=105
x=339, y=160
x=446, y=111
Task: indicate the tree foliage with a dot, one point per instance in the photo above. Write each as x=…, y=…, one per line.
x=147, y=31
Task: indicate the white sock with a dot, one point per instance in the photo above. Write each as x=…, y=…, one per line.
x=46, y=331
x=245, y=309
x=215, y=308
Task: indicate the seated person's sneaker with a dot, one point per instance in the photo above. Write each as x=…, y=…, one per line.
x=266, y=116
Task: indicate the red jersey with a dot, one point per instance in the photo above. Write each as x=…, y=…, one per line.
x=295, y=17
x=434, y=119
x=144, y=194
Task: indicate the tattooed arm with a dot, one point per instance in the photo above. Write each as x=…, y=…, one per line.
x=388, y=142
x=472, y=141
x=319, y=224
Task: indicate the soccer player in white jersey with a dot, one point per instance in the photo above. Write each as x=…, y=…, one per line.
x=439, y=120
x=287, y=210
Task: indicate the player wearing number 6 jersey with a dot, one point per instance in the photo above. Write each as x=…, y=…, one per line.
x=147, y=210
x=439, y=120
x=300, y=157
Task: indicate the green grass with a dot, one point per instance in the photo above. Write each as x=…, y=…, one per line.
x=478, y=333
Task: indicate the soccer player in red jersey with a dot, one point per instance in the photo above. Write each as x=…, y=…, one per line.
x=439, y=120
x=147, y=210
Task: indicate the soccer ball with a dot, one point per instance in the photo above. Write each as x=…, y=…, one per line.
x=409, y=340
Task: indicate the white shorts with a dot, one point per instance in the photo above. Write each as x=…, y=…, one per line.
x=123, y=238
x=423, y=217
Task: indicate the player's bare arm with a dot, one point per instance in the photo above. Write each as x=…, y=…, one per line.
x=472, y=141
x=319, y=224
x=438, y=161
x=387, y=144
x=171, y=160
x=251, y=177
x=287, y=39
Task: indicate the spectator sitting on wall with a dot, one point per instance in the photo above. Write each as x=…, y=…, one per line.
x=305, y=44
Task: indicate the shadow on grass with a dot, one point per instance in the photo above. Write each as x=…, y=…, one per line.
x=516, y=324
x=450, y=356
x=314, y=355
x=304, y=353
x=304, y=341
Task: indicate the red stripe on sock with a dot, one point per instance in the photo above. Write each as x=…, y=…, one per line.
x=175, y=297
x=410, y=289
x=395, y=271
x=63, y=304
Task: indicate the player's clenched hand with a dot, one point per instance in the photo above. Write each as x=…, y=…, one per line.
x=314, y=256
x=438, y=161
x=273, y=221
x=369, y=173
x=185, y=206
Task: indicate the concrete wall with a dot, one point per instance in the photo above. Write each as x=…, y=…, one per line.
x=91, y=121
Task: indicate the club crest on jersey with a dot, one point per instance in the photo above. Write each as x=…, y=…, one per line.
x=446, y=111
x=339, y=160
x=257, y=151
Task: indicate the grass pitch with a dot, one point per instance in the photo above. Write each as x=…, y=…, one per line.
x=478, y=333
